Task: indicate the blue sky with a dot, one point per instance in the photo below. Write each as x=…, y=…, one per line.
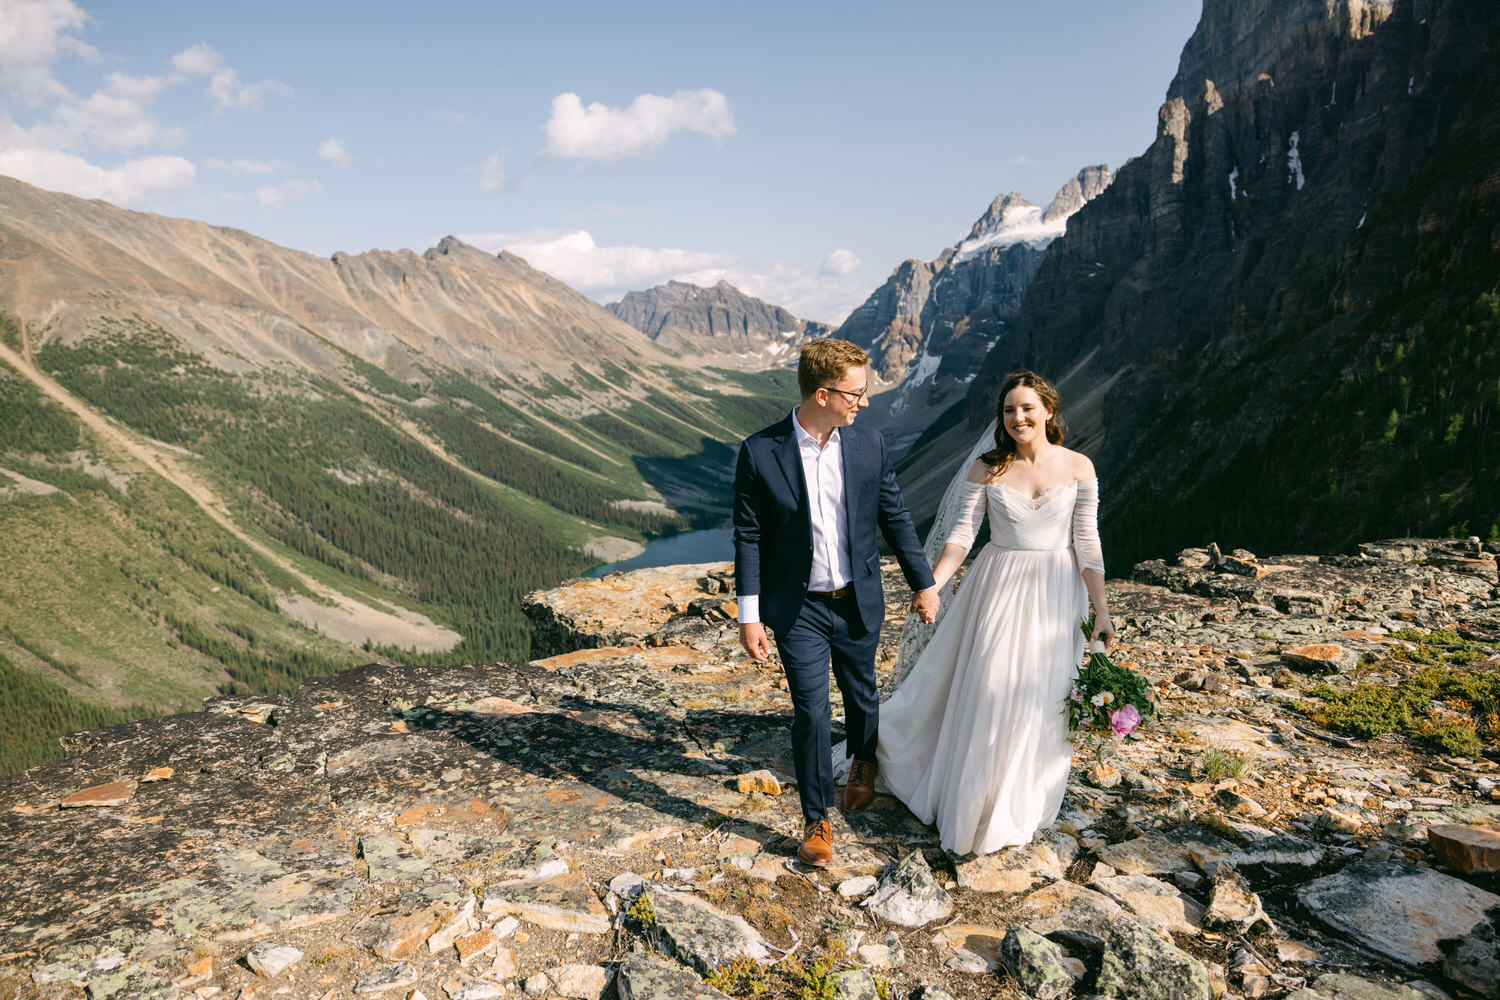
x=800, y=150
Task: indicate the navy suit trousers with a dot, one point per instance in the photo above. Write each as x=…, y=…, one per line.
x=828, y=629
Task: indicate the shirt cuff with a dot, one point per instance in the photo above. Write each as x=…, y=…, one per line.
x=749, y=609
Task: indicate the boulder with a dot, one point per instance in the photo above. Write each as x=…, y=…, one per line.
x=1469, y=849
x=1398, y=909
x=1019, y=869
x=1071, y=912
x=1475, y=961
x=1139, y=965
x=1036, y=963
x=1154, y=902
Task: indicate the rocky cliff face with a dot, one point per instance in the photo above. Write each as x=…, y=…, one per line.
x=930, y=325
x=1282, y=315
x=616, y=819
x=719, y=325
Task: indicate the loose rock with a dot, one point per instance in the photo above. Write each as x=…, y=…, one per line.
x=1233, y=907
x=269, y=960
x=908, y=895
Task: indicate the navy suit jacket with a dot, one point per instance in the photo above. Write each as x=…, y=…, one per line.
x=773, y=523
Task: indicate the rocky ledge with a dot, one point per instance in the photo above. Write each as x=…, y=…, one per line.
x=615, y=819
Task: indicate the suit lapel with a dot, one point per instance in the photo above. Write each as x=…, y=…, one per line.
x=849, y=455
x=790, y=460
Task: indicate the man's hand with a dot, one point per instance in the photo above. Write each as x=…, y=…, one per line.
x=925, y=604
x=753, y=638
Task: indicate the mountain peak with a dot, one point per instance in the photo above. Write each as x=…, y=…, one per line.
x=722, y=320
x=1011, y=219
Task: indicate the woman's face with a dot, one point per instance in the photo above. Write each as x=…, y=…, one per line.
x=1025, y=415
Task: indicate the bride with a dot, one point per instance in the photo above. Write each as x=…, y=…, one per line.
x=974, y=737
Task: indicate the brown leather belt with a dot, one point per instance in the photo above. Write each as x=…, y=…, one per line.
x=842, y=592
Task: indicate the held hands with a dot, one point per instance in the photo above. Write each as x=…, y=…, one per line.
x=925, y=603
x=753, y=638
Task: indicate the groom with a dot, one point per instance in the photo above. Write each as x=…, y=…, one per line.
x=810, y=493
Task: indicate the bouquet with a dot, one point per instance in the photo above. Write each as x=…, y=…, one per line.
x=1106, y=699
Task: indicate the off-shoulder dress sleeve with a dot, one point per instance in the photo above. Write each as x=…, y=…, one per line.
x=970, y=513
x=1086, y=547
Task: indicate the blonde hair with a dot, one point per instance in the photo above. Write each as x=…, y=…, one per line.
x=826, y=361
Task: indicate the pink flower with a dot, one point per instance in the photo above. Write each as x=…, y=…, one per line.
x=1077, y=696
x=1123, y=721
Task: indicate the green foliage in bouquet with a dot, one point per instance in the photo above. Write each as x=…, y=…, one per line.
x=1107, y=698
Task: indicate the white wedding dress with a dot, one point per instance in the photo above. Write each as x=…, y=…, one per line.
x=974, y=737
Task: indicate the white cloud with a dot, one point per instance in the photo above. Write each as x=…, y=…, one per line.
x=333, y=151
x=224, y=82
x=32, y=38
x=200, y=60
x=113, y=121
x=245, y=166
x=606, y=273
x=1019, y=159
x=130, y=182
x=841, y=263
x=599, y=132
x=452, y=117
x=277, y=195
x=141, y=89
x=492, y=175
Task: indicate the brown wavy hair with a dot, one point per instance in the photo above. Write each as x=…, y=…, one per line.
x=1004, y=452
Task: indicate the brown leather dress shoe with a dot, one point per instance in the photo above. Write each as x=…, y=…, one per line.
x=817, y=844
x=861, y=786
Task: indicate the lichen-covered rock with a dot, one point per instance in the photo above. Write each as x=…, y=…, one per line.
x=1036, y=963
x=908, y=894
x=651, y=977
x=855, y=984
x=1139, y=965
x=1340, y=986
x=701, y=935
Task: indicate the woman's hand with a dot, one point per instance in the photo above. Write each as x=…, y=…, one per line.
x=1104, y=630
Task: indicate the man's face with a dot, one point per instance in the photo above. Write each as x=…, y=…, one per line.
x=847, y=396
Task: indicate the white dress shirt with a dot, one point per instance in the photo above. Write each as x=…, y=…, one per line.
x=823, y=477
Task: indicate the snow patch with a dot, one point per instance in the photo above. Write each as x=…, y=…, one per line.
x=927, y=366
x=1294, y=163
x=1361, y=221
x=1018, y=224
x=1233, y=188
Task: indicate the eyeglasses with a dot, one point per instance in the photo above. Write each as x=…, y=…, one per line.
x=853, y=396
